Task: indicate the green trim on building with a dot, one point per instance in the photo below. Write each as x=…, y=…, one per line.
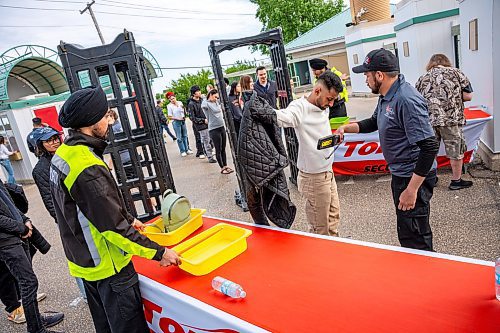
x=427, y=18
x=371, y=39
x=34, y=102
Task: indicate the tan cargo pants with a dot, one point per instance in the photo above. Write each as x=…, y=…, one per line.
x=322, y=202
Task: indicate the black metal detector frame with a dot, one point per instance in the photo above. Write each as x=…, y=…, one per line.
x=273, y=39
x=145, y=178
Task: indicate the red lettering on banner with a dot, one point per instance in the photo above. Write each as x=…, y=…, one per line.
x=379, y=150
x=368, y=148
x=166, y=324
x=351, y=146
x=375, y=168
x=149, y=307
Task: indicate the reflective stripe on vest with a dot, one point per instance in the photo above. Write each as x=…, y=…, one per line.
x=107, y=257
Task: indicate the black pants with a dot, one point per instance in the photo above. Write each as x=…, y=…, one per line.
x=254, y=202
x=237, y=125
x=218, y=136
x=115, y=303
x=17, y=259
x=9, y=293
x=414, y=230
x=199, y=144
x=338, y=110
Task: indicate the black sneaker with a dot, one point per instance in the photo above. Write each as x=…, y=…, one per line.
x=459, y=184
x=50, y=331
x=51, y=318
x=212, y=160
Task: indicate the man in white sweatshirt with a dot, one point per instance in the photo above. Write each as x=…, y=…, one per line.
x=309, y=117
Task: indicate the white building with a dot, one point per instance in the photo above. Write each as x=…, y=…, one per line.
x=463, y=30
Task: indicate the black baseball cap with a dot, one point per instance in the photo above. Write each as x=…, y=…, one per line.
x=378, y=60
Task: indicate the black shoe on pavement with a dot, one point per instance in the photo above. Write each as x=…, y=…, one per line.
x=50, y=331
x=459, y=184
x=51, y=318
x=212, y=160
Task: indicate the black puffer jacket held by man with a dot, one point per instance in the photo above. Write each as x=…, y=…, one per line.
x=262, y=154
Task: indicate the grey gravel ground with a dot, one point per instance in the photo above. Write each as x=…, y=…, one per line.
x=465, y=223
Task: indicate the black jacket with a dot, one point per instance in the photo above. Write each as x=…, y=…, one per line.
x=235, y=108
x=40, y=174
x=161, y=116
x=96, y=231
x=269, y=93
x=11, y=228
x=196, y=114
x=262, y=154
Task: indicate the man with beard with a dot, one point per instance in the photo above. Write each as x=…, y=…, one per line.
x=309, y=118
x=98, y=235
x=408, y=144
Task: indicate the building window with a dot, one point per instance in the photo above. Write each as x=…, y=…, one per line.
x=406, y=49
x=473, y=35
x=355, y=58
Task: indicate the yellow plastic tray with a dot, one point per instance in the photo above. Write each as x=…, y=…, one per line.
x=212, y=248
x=179, y=234
x=338, y=121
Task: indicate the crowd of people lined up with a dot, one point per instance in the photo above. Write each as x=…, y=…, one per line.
x=99, y=236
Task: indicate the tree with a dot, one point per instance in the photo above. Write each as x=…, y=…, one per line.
x=182, y=86
x=295, y=17
x=240, y=65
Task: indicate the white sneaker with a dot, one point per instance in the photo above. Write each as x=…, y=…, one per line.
x=41, y=296
x=183, y=154
x=17, y=316
x=190, y=152
x=201, y=156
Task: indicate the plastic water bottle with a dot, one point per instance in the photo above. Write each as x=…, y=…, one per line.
x=228, y=288
x=497, y=278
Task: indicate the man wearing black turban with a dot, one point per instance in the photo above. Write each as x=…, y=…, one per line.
x=99, y=236
x=84, y=108
x=319, y=66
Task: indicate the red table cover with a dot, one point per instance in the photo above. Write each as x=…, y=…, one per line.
x=298, y=283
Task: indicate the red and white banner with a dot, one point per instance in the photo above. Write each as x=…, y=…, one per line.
x=170, y=311
x=327, y=292
x=362, y=154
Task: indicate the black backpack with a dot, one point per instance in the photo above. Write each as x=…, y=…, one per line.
x=16, y=192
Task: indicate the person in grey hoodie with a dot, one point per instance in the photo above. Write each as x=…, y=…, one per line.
x=216, y=130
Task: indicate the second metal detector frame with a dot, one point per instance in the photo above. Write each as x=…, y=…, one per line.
x=273, y=39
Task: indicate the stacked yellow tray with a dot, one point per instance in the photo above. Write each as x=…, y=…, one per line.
x=179, y=234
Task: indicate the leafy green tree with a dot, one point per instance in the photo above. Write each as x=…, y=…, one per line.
x=240, y=65
x=295, y=17
x=182, y=86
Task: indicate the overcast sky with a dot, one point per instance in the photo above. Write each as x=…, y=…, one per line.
x=180, y=40
x=179, y=37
